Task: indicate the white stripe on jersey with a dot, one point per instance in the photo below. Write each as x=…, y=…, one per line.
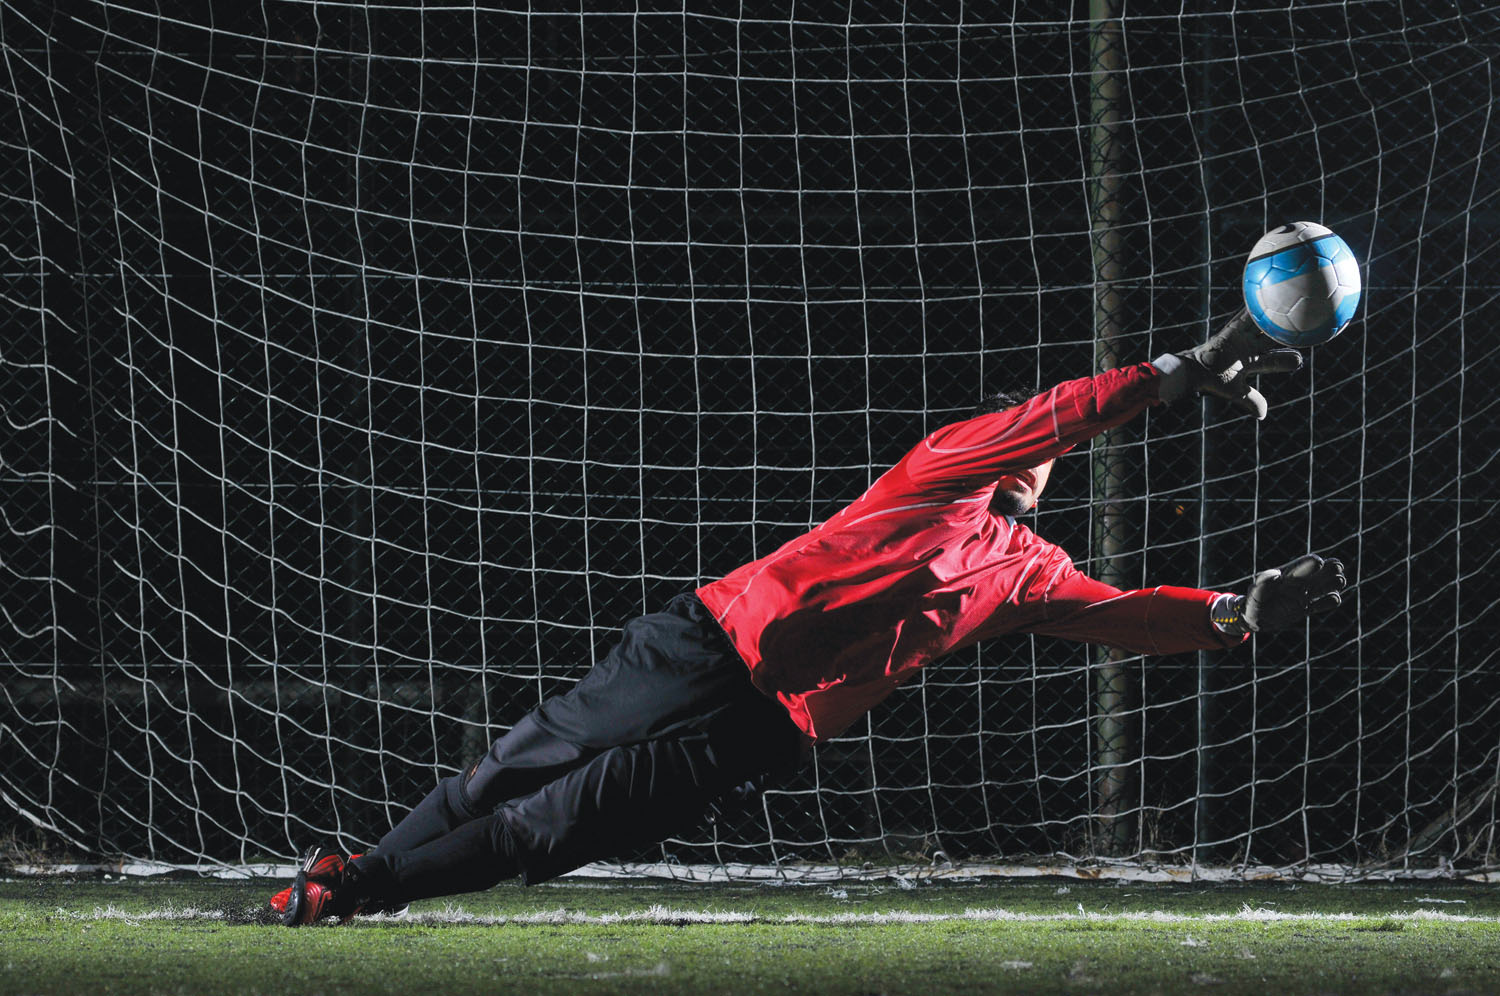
x=922, y=504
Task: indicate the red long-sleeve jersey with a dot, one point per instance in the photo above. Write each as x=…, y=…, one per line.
x=918, y=567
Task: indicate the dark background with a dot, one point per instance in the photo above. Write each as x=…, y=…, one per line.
x=366, y=368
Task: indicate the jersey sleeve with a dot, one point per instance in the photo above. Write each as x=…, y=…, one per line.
x=1158, y=621
x=970, y=454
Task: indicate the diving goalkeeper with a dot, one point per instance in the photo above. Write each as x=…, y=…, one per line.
x=729, y=685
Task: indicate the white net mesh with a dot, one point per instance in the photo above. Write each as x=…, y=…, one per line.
x=369, y=365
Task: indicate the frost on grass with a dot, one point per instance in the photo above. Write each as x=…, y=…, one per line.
x=453, y=914
x=661, y=970
x=237, y=915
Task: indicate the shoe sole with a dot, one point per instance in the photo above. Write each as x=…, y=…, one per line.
x=328, y=866
x=302, y=908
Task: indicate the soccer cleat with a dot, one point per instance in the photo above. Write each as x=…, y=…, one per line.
x=329, y=869
x=375, y=907
x=310, y=902
x=327, y=886
x=316, y=897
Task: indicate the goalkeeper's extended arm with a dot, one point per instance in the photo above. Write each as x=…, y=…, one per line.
x=1284, y=598
x=1223, y=366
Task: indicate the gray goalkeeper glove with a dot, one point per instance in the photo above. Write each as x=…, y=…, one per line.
x=1223, y=366
x=1282, y=599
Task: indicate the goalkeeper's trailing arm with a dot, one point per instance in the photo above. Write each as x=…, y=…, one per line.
x=725, y=689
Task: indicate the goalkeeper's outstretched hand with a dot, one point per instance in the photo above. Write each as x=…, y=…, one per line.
x=1284, y=598
x=1224, y=364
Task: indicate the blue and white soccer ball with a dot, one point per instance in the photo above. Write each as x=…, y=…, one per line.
x=1301, y=284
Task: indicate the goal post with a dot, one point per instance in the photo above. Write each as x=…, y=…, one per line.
x=369, y=365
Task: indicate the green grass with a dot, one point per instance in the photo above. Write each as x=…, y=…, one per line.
x=1055, y=936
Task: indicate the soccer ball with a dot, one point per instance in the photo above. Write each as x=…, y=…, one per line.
x=1301, y=284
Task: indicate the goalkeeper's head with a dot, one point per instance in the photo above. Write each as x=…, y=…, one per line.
x=1014, y=493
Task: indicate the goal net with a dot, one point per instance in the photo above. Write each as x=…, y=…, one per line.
x=368, y=365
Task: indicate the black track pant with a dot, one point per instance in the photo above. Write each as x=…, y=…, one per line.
x=667, y=722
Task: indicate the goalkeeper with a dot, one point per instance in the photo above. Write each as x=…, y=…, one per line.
x=730, y=684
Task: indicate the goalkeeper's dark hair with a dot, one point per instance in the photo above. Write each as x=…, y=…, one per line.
x=999, y=401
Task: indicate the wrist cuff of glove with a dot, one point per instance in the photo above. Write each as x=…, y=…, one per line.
x=1228, y=615
x=1174, y=376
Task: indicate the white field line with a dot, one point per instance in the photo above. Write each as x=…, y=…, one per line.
x=677, y=917
x=823, y=874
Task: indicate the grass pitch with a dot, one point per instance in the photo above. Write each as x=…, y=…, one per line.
x=664, y=939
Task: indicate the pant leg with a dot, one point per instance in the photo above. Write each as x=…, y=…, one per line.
x=671, y=672
x=517, y=764
x=623, y=798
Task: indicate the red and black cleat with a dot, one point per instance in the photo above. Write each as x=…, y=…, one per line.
x=325, y=887
x=326, y=869
x=319, y=891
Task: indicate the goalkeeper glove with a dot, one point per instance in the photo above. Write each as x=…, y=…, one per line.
x=1281, y=599
x=1223, y=365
